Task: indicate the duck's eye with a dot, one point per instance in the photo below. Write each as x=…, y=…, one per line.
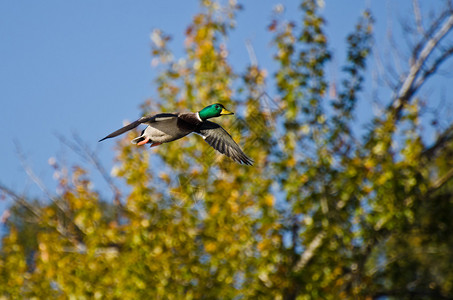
x=217, y=106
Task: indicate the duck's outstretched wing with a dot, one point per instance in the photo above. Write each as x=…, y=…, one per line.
x=219, y=139
x=147, y=119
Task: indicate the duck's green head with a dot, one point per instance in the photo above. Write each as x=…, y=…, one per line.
x=212, y=111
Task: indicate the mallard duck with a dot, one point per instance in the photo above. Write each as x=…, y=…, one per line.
x=168, y=127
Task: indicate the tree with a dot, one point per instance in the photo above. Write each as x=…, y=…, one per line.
x=324, y=213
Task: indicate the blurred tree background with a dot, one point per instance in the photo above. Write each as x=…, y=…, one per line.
x=328, y=211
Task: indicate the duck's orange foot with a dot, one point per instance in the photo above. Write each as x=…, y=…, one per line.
x=155, y=144
x=143, y=142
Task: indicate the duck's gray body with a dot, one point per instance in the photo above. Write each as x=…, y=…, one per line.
x=165, y=128
x=168, y=127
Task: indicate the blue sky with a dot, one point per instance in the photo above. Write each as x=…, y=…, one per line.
x=84, y=66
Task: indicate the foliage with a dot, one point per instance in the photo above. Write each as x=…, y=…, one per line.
x=322, y=214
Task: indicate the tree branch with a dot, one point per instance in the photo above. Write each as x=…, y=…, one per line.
x=441, y=181
x=85, y=152
x=310, y=251
x=408, y=88
x=444, y=138
x=21, y=201
x=433, y=68
x=43, y=188
x=35, y=211
x=418, y=16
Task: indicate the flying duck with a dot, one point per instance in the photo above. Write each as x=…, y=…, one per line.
x=168, y=127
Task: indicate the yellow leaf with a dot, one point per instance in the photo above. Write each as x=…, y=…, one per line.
x=210, y=246
x=269, y=200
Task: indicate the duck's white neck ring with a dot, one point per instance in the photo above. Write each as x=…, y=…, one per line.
x=199, y=118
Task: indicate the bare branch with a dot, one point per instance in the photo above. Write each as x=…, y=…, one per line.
x=49, y=195
x=444, y=138
x=441, y=181
x=433, y=68
x=86, y=153
x=310, y=251
x=381, y=71
x=408, y=88
x=430, y=153
x=418, y=17
x=394, y=55
x=31, y=174
x=35, y=211
x=21, y=201
x=251, y=52
x=434, y=26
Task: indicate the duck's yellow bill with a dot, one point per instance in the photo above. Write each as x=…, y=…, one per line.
x=226, y=112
